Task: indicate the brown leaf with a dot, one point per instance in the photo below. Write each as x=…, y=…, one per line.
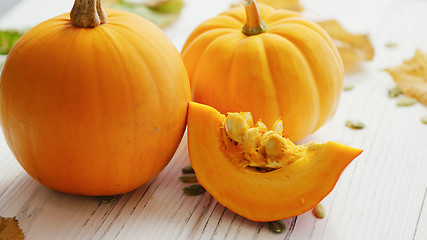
x=9, y=229
x=411, y=76
x=352, y=47
x=284, y=4
x=278, y=4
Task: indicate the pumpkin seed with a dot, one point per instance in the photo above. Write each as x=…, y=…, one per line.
x=251, y=140
x=193, y=190
x=187, y=169
x=278, y=127
x=105, y=199
x=392, y=44
x=404, y=101
x=348, y=86
x=260, y=126
x=190, y=177
x=236, y=125
x=354, y=124
x=394, y=92
x=276, y=226
x=424, y=119
x=274, y=145
x=319, y=211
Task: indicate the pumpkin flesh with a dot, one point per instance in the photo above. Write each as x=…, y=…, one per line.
x=260, y=196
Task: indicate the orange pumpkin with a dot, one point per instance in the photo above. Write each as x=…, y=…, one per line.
x=94, y=107
x=257, y=173
x=284, y=67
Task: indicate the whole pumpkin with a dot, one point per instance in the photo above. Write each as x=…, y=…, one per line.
x=94, y=106
x=284, y=67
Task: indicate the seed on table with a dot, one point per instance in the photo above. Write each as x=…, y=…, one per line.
x=404, y=101
x=348, y=86
x=354, y=124
x=319, y=211
x=105, y=199
x=193, y=190
x=424, y=119
x=276, y=226
x=392, y=44
x=190, y=177
x=394, y=92
x=187, y=169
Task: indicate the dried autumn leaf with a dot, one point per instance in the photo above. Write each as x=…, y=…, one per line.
x=411, y=76
x=9, y=229
x=352, y=47
x=284, y=4
x=278, y=4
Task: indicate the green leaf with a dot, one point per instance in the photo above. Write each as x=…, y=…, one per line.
x=8, y=38
x=167, y=6
x=162, y=12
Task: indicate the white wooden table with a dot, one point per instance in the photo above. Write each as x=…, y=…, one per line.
x=381, y=195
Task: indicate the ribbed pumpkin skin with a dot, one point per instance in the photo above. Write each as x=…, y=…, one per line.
x=291, y=72
x=96, y=111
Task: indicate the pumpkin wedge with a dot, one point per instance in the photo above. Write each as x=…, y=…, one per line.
x=265, y=180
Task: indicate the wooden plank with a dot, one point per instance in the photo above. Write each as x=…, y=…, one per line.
x=421, y=228
x=381, y=195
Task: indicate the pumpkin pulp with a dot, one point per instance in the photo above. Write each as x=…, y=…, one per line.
x=283, y=187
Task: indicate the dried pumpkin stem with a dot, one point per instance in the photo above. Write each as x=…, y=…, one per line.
x=254, y=24
x=102, y=15
x=87, y=14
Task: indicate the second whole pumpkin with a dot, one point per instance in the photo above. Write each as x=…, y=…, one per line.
x=272, y=63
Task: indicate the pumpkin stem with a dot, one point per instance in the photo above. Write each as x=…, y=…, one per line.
x=87, y=14
x=254, y=24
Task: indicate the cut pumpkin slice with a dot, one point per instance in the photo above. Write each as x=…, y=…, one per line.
x=257, y=173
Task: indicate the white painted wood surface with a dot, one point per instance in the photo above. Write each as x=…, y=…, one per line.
x=381, y=195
